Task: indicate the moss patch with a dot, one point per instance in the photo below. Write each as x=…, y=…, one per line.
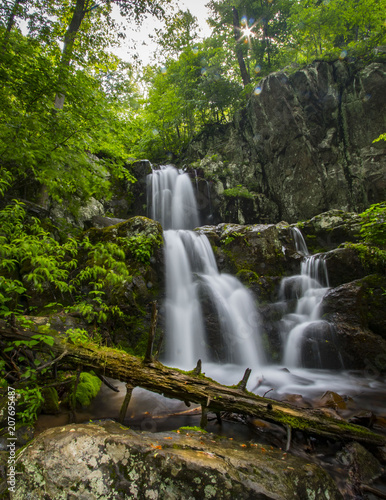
x=88, y=387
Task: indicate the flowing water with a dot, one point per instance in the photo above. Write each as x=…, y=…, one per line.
x=191, y=273
x=309, y=341
x=311, y=363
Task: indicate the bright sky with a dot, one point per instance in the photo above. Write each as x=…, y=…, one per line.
x=144, y=46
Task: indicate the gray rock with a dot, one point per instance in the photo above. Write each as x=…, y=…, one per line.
x=300, y=147
x=358, y=312
x=108, y=461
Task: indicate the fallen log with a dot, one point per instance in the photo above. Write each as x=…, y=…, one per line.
x=196, y=388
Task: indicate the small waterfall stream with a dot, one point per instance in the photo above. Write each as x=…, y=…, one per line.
x=191, y=272
x=305, y=323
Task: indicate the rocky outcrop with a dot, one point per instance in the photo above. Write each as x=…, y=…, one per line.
x=301, y=146
x=261, y=254
x=89, y=461
x=265, y=249
x=328, y=230
x=358, y=313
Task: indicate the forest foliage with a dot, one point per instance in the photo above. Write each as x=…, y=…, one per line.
x=73, y=116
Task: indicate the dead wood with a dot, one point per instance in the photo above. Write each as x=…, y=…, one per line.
x=187, y=386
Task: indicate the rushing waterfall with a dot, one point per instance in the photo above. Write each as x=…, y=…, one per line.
x=171, y=199
x=191, y=274
x=307, y=336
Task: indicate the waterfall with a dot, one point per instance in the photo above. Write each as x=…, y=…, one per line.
x=171, y=199
x=308, y=337
x=191, y=277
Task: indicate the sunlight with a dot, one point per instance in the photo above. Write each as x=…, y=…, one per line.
x=246, y=31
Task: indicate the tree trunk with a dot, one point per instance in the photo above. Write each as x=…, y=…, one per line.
x=239, y=52
x=196, y=388
x=10, y=24
x=267, y=42
x=80, y=10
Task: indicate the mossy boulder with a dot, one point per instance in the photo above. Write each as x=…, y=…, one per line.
x=51, y=401
x=143, y=240
x=111, y=461
x=328, y=230
x=88, y=387
x=347, y=264
x=264, y=249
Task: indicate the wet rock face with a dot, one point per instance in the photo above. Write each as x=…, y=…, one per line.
x=263, y=249
x=358, y=311
x=328, y=230
x=89, y=461
x=300, y=147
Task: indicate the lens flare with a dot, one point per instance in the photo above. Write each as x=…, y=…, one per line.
x=257, y=91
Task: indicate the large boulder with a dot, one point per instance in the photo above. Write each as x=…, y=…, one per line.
x=358, y=312
x=265, y=249
x=108, y=461
x=344, y=265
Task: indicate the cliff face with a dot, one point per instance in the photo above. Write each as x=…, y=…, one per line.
x=302, y=145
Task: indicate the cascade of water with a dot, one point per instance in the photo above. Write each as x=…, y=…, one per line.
x=171, y=199
x=300, y=244
x=184, y=342
x=191, y=271
x=196, y=179
x=209, y=201
x=304, y=328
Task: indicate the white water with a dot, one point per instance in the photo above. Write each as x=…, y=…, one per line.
x=171, y=199
x=309, y=289
x=193, y=283
x=191, y=272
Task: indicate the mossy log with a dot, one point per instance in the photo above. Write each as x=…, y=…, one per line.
x=189, y=386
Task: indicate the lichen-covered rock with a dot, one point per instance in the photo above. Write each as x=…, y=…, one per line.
x=108, y=461
x=85, y=213
x=330, y=229
x=300, y=147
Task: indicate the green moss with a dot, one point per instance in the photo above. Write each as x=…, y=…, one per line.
x=88, y=387
x=51, y=400
x=238, y=192
x=231, y=237
x=193, y=429
x=248, y=277
x=372, y=258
